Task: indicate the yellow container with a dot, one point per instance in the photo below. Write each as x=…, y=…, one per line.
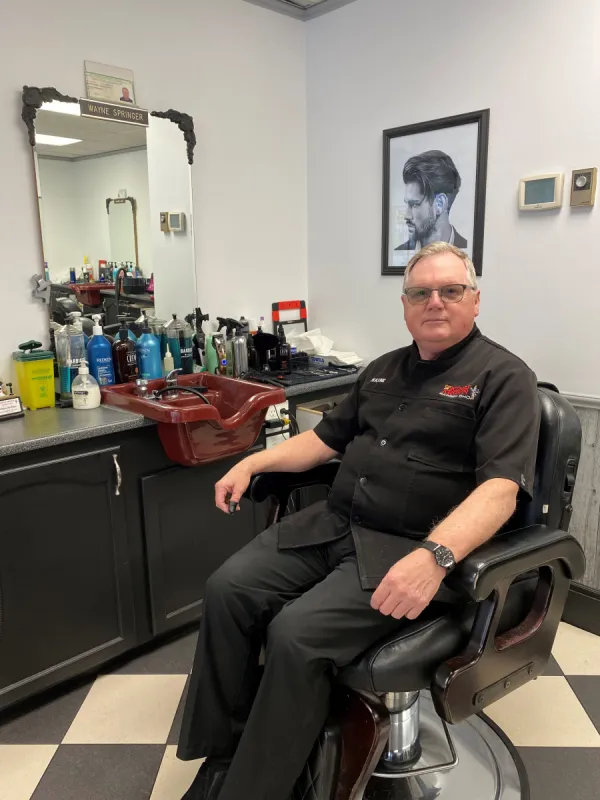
x=35, y=375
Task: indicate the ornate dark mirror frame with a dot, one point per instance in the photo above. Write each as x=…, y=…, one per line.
x=34, y=97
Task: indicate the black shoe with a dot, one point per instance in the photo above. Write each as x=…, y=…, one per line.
x=209, y=781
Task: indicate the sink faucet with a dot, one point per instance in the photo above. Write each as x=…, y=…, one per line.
x=171, y=378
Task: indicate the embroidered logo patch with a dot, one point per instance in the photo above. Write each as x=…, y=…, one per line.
x=466, y=392
x=378, y=380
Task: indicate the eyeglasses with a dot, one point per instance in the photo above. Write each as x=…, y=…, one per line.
x=453, y=293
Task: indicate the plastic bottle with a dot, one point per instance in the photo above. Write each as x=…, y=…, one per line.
x=180, y=338
x=157, y=326
x=211, y=353
x=239, y=346
x=70, y=352
x=86, y=392
x=186, y=348
x=99, y=353
x=218, y=340
x=229, y=356
x=124, y=356
x=168, y=363
x=283, y=350
x=148, y=355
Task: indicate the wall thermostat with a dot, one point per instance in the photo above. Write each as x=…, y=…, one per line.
x=541, y=192
x=583, y=186
x=176, y=221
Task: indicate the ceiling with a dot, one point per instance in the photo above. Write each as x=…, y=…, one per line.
x=301, y=9
x=98, y=135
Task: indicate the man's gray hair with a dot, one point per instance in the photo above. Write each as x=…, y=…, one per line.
x=437, y=249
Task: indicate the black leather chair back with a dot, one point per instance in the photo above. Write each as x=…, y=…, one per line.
x=556, y=465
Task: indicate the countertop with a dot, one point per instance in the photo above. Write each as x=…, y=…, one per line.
x=317, y=386
x=142, y=297
x=51, y=426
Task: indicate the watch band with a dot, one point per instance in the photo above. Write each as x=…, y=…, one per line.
x=443, y=555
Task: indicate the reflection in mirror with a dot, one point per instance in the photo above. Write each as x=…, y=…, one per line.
x=102, y=186
x=122, y=229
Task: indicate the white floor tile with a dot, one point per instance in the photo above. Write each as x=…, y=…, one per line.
x=174, y=777
x=22, y=767
x=545, y=713
x=577, y=651
x=128, y=709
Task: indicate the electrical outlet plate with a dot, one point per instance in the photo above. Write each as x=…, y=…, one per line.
x=274, y=411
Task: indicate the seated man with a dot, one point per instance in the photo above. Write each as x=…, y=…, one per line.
x=438, y=440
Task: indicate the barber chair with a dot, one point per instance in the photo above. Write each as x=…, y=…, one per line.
x=406, y=718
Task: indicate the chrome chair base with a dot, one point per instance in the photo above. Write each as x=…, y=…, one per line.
x=474, y=762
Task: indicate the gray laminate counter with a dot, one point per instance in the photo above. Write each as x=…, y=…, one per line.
x=317, y=386
x=47, y=427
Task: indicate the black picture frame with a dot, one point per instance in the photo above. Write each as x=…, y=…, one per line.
x=478, y=186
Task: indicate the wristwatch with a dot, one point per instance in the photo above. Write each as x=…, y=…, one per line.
x=443, y=555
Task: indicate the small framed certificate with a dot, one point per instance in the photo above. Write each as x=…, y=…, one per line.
x=11, y=407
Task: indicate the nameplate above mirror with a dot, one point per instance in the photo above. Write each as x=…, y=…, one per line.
x=116, y=113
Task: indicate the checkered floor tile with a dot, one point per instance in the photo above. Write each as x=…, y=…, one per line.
x=114, y=738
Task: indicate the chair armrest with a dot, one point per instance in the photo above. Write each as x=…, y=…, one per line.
x=281, y=484
x=514, y=553
x=497, y=660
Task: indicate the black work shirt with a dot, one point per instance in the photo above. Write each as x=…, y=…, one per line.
x=417, y=437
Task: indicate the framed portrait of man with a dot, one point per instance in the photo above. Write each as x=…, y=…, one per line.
x=434, y=179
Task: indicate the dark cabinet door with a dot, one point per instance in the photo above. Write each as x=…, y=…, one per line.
x=65, y=588
x=188, y=538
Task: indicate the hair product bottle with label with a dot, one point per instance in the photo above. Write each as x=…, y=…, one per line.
x=148, y=355
x=124, y=357
x=99, y=353
x=86, y=392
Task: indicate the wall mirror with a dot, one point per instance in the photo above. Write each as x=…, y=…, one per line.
x=103, y=187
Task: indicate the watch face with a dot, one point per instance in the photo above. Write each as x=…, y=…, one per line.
x=444, y=557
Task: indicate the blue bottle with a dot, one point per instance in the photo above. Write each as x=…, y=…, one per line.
x=148, y=355
x=99, y=352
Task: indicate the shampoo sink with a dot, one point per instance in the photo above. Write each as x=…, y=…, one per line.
x=225, y=420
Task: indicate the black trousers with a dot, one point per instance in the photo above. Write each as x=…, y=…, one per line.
x=309, y=606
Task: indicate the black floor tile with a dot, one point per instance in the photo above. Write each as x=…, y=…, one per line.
x=562, y=773
x=587, y=689
x=553, y=668
x=176, y=726
x=43, y=723
x=101, y=772
x=173, y=658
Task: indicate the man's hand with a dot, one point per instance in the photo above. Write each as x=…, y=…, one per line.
x=232, y=486
x=409, y=586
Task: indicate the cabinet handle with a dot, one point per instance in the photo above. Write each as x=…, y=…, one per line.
x=119, y=475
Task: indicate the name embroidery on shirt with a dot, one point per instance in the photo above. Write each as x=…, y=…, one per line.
x=467, y=392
